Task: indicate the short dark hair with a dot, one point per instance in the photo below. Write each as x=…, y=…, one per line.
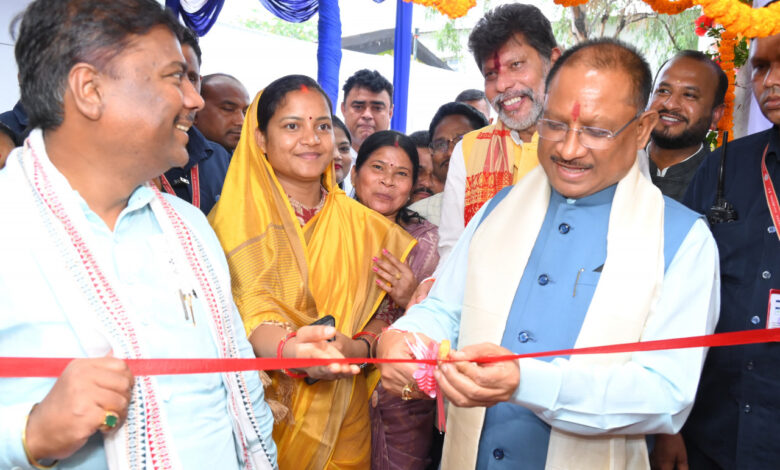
x=501, y=24
x=472, y=94
x=188, y=37
x=370, y=79
x=723, y=81
x=476, y=118
x=421, y=139
x=214, y=76
x=340, y=124
x=610, y=53
x=275, y=93
x=55, y=35
x=381, y=139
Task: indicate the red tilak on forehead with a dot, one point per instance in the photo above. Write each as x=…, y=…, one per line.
x=496, y=62
x=304, y=88
x=575, y=111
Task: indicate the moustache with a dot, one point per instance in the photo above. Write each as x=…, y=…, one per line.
x=571, y=164
x=188, y=119
x=508, y=95
x=423, y=189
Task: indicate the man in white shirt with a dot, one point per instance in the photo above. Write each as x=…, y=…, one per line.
x=584, y=251
x=101, y=266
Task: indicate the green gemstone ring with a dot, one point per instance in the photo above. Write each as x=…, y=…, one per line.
x=110, y=420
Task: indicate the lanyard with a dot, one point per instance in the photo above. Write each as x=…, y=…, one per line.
x=771, y=195
x=194, y=176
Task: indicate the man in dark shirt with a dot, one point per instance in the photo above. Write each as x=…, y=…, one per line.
x=688, y=95
x=13, y=130
x=222, y=117
x=736, y=416
x=200, y=181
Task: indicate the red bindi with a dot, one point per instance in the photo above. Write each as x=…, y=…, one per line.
x=496, y=62
x=575, y=111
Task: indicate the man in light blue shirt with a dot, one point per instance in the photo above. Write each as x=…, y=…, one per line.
x=97, y=265
x=583, y=251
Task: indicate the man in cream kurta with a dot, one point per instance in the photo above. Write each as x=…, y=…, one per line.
x=584, y=251
x=514, y=48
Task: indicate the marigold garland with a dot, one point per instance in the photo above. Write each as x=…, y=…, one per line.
x=570, y=3
x=734, y=15
x=728, y=41
x=739, y=18
x=452, y=8
x=668, y=7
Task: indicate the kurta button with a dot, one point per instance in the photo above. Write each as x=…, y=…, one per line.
x=498, y=454
x=766, y=274
x=749, y=365
x=564, y=228
x=771, y=229
x=523, y=337
x=755, y=320
x=747, y=408
x=543, y=279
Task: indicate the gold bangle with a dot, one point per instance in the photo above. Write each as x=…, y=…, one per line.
x=30, y=458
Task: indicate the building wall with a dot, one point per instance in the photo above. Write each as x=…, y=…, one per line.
x=9, y=87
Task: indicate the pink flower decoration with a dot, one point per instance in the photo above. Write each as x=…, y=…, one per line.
x=424, y=375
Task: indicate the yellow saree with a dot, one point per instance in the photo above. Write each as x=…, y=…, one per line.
x=286, y=274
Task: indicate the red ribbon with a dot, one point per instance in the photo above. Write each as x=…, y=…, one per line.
x=53, y=367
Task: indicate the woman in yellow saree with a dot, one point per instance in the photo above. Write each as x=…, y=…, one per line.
x=300, y=249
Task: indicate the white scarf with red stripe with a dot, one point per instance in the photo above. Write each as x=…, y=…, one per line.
x=143, y=440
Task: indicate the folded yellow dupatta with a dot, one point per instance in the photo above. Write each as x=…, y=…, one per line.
x=287, y=274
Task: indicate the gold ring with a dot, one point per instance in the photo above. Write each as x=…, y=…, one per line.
x=110, y=420
x=398, y=276
x=406, y=392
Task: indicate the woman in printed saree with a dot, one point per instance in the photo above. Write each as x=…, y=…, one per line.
x=299, y=249
x=384, y=175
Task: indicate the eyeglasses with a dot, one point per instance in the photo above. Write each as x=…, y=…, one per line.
x=593, y=138
x=444, y=145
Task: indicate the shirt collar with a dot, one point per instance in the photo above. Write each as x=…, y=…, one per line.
x=197, y=147
x=662, y=173
x=20, y=114
x=599, y=198
x=139, y=198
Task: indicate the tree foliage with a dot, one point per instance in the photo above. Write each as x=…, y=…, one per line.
x=306, y=31
x=658, y=36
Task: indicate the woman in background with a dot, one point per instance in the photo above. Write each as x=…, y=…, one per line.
x=384, y=175
x=342, y=162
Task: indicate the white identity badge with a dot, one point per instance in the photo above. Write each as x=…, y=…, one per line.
x=773, y=311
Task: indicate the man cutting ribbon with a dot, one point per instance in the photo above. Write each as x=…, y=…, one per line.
x=583, y=251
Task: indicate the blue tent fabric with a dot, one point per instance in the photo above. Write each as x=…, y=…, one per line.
x=329, y=48
x=200, y=21
x=294, y=11
x=402, y=54
x=329, y=44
